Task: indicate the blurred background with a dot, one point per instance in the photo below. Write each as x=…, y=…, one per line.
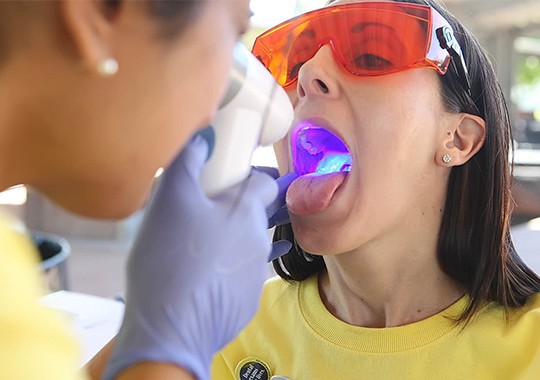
x=509, y=30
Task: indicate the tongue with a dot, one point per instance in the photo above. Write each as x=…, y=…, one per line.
x=313, y=192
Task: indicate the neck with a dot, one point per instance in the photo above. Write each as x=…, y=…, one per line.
x=8, y=165
x=19, y=141
x=386, y=285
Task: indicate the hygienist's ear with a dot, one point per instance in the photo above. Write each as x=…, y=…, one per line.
x=90, y=25
x=462, y=141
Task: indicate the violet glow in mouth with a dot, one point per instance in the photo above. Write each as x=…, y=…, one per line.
x=317, y=150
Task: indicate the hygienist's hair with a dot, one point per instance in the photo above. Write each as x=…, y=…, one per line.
x=475, y=246
x=173, y=15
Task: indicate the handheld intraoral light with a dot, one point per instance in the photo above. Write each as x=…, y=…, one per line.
x=255, y=111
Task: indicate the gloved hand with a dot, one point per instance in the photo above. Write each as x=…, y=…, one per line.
x=196, y=270
x=277, y=211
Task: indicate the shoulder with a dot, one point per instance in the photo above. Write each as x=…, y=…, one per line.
x=510, y=318
x=276, y=321
x=14, y=237
x=528, y=313
x=13, y=233
x=277, y=290
x=19, y=257
x=276, y=286
x=531, y=310
x=534, y=302
x=519, y=326
x=279, y=305
x=29, y=333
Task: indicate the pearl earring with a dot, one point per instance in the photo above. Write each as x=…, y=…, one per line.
x=107, y=67
x=447, y=158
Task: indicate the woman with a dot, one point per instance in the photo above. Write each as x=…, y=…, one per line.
x=95, y=97
x=403, y=265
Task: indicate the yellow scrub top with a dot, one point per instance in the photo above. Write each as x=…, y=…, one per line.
x=34, y=341
x=293, y=335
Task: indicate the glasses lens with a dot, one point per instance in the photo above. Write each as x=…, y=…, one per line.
x=367, y=38
x=381, y=41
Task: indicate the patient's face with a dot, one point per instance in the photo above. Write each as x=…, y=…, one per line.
x=392, y=126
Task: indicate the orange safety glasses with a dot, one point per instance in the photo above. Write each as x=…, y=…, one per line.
x=367, y=39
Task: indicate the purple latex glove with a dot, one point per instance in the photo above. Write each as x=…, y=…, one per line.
x=196, y=269
x=277, y=211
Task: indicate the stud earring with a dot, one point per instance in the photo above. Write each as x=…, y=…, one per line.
x=107, y=67
x=447, y=158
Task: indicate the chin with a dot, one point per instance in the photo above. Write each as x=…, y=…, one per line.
x=317, y=240
x=104, y=204
x=104, y=210
x=116, y=212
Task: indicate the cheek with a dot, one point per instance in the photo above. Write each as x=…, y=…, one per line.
x=193, y=101
x=203, y=89
x=292, y=94
x=281, y=149
x=201, y=70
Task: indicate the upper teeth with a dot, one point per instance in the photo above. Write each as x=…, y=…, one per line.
x=317, y=150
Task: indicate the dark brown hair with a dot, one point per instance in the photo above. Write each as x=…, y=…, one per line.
x=475, y=246
x=174, y=15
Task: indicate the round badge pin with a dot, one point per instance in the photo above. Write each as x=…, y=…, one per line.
x=252, y=369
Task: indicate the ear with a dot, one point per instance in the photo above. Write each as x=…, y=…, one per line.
x=462, y=140
x=89, y=24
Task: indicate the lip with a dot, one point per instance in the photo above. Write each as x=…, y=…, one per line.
x=320, y=122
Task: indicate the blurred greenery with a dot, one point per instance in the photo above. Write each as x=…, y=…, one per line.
x=528, y=70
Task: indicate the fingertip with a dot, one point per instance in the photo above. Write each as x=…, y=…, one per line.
x=284, y=182
x=279, y=248
x=270, y=170
x=281, y=216
x=265, y=186
x=193, y=156
x=198, y=147
x=288, y=178
x=201, y=144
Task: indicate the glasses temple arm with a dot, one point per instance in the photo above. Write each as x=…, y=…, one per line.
x=449, y=43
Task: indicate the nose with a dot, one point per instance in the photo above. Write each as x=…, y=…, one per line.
x=318, y=76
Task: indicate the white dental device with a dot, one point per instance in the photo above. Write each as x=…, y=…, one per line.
x=255, y=111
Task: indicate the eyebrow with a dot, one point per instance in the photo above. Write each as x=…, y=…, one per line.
x=361, y=26
x=309, y=33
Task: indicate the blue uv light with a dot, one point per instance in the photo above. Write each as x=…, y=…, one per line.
x=317, y=150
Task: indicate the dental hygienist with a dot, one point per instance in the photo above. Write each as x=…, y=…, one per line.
x=95, y=96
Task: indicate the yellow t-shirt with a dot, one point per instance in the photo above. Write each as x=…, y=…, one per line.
x=34, y=342
x=293, y=335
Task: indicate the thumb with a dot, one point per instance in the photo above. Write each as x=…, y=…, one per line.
x=283, y=183
x=279, y=248
x=191, y=159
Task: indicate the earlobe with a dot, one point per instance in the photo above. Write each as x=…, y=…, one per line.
x=89, y=25
x=463, y=142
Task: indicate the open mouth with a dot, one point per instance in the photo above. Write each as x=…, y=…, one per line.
x=319, y=151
